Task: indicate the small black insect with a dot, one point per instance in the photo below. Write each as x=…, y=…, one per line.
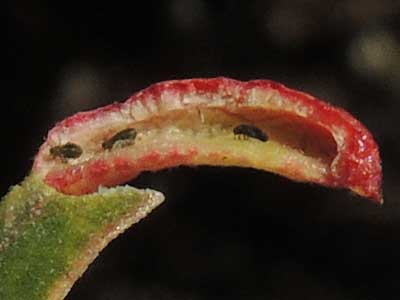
x=252, y=131
x=66, y=151
x=124, y=138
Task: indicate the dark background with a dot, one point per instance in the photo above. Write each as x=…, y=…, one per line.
x=222, y=233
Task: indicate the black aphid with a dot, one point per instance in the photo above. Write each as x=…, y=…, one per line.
x=250, y=131
x=66, y=151
x=126, y=136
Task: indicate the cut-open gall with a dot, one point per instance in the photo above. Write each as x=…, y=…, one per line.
x=190, y=122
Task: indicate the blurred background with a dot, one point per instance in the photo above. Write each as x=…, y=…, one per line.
x=222, y=233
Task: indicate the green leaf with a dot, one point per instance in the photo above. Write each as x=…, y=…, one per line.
x=48, y=239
